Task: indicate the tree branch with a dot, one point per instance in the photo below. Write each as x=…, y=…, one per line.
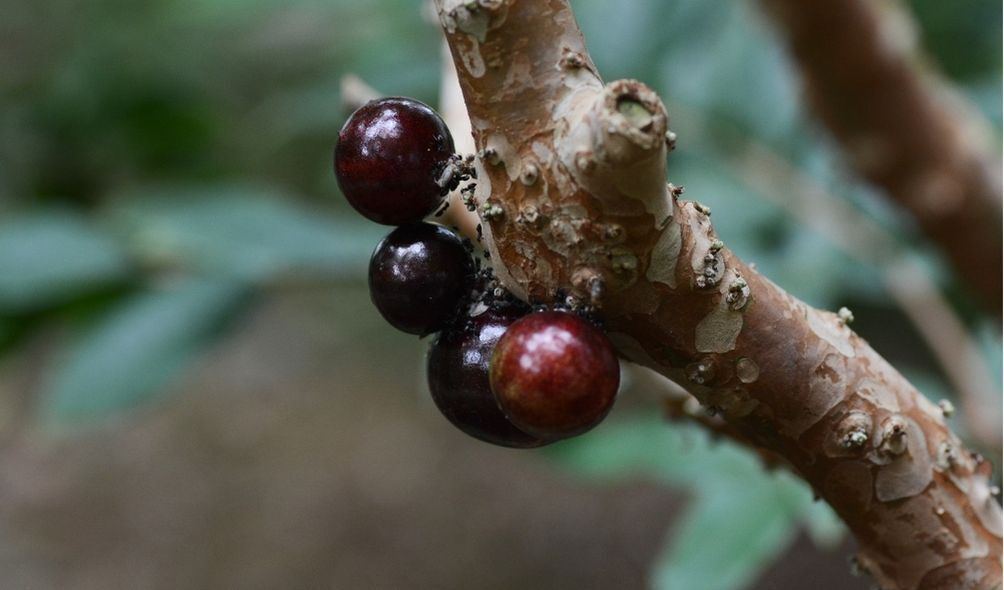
x=901, y=127
x=571, y=189
x=356, y=92
x=906, y=281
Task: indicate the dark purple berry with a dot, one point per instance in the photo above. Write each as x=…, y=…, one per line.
x=390, y=155
x=554, y=374
x=458, y=378
x=419, y=275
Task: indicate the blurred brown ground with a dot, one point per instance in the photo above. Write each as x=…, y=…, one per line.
x=303, y=453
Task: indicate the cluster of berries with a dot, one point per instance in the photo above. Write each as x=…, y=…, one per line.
x=499, y=371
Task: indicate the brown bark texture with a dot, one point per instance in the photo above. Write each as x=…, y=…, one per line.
x=902, y=127
x=573, y=196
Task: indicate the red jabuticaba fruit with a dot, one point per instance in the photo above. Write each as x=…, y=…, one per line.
x=389, y=156
x=554, y=374
x=457, y=371
x=419, y=275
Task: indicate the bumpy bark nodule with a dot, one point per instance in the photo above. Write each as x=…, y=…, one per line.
x=573, y=197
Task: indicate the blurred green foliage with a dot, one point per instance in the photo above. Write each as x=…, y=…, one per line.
x=163, y=161
x=50, y=256
x=722, y=542
x=134, y=350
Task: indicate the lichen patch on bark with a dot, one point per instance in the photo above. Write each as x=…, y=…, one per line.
x=662, y=265
x=718, y=331
x=829, y=327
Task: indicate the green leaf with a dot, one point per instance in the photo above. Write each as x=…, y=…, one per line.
x=679, y=454
x=243, y=233
x=48, y=257
x=131, y=355
x=726, y=539
x=618, y=38
x=719, y=51
x=739, y=507
x=986, y=95
x=963, y=37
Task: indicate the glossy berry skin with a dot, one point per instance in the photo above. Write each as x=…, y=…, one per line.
x=418, y=276
x=457, y=370
x=554, y=374
x=389, y=156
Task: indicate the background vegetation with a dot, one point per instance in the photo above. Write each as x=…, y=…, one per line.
x=170, y=231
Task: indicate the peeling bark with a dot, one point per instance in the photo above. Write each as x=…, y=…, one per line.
x=901, y=127
x=573, y=197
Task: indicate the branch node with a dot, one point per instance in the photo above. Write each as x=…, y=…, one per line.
x=571, y=60
x=702, y=371
x=529, y=215
x=946, y=457
x=624, y=261
x=613, y=233
x=670, y=141
x=739, y=292
x=529, y=174
x=490, y=156
x=713, y=271
x=850, y=436
x=894, y=436
x=632, y=123
x=585, y=162
x=590, y=283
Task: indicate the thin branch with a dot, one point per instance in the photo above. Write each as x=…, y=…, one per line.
x=573, y=197
x=902, y=127
x=454, y=112
x=356, y=92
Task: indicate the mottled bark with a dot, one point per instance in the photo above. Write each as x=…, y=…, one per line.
x=901, y=127
x=572, y=192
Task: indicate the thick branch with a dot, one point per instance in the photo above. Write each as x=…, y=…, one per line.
x=572, y=193
x=901, y=127
x=454, y=112
x=906, y=280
